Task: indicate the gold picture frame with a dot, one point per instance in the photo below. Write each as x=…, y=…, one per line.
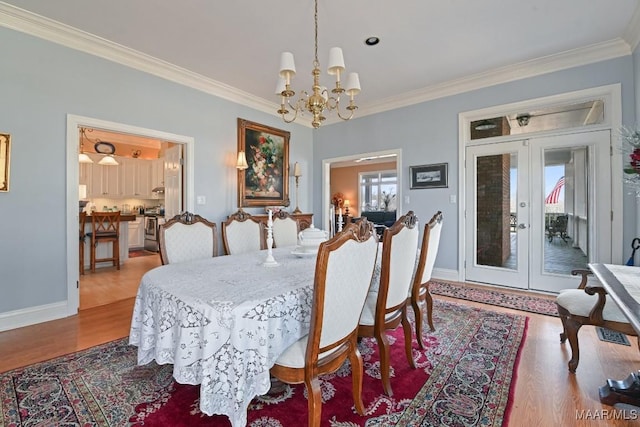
x=5, y=156
x=265, y=182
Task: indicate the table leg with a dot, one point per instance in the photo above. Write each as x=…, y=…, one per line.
x=622, y=391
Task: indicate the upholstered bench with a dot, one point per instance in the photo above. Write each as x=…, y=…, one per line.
x=588, y=305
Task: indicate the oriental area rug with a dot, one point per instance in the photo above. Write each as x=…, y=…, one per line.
x=465, y=377
x=522, y=302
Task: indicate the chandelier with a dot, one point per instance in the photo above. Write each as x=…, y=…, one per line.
x=105, y=148
x=320, y=99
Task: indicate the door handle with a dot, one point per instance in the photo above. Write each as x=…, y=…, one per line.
x=522, y=226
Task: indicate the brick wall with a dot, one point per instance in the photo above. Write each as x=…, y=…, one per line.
x=492, y=204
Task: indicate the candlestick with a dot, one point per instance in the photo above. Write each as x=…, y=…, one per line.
x=270, y=260
x=297, y=174
x=340, y=221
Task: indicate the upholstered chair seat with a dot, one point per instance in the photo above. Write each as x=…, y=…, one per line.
x=386, y=308
x=344, y=267
x=420, y=295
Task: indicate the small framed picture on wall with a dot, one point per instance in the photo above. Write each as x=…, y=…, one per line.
x=429, y=176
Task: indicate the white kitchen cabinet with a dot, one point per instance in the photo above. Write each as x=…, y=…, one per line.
x=136, y=178
x=103, y=181
x=136, y=233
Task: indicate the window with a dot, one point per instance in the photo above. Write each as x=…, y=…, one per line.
x=378, y=190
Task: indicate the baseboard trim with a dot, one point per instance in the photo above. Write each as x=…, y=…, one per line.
x=32, y=315
x=445, y=274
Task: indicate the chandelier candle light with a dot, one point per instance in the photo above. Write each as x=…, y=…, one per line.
x=319, y=100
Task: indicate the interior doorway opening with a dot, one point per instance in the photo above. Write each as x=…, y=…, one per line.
x=350, y=178
x=183, y=143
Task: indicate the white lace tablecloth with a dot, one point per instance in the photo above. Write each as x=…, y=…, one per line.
x=222, y=322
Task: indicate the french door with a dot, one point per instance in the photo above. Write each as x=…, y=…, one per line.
x=519, y=193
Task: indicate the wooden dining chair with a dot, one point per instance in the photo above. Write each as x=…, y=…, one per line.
x=187, y=237
x=242, y=233
x=105, y=227
x=82, y=234
x=420, y=295
x=343, y=273
x=386, y=307
x=285, y=229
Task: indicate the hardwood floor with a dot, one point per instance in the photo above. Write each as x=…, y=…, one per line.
x=546, y=394
x=108, y=285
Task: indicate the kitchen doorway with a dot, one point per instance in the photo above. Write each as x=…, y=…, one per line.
x=185, y=143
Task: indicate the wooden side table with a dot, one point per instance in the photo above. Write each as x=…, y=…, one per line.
x=304, y=219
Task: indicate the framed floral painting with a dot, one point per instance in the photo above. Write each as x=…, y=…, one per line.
x=265, y=182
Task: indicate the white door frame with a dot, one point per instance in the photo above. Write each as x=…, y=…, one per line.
x=612, y=97
x=73, y=180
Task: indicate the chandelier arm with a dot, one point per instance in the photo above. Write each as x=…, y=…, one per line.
x=340, y=114
x=284, y=117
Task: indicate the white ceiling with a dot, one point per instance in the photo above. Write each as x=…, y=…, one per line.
x=428, y=48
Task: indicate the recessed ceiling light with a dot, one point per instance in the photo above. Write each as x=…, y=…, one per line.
x=372, y=41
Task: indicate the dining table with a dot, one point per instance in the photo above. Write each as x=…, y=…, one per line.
x=223, y=321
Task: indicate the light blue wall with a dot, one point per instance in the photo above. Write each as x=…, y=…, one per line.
x=428, y=133
x=41, y=83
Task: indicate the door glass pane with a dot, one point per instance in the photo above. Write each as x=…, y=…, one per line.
x=566, y=213
x=496, y=220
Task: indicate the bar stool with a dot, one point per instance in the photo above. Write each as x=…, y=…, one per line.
x=105, y=227
x=83, y=236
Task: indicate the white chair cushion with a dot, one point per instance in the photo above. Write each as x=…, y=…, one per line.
x=285, y=232
x=404, y=246
x=294, y=355
x=187, y=242
x=243, y=236
x=349, y=272
x=432, y=252
x=580, y=303
x=367, y=318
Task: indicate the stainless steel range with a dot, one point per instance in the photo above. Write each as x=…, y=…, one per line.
x=151, y=223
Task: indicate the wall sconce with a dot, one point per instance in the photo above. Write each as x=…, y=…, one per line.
x=241, y=163
x=346, y=205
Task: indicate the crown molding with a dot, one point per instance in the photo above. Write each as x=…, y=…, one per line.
x=632, y=32
x=56, y=32
x=38, y=26
x=535, y=67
